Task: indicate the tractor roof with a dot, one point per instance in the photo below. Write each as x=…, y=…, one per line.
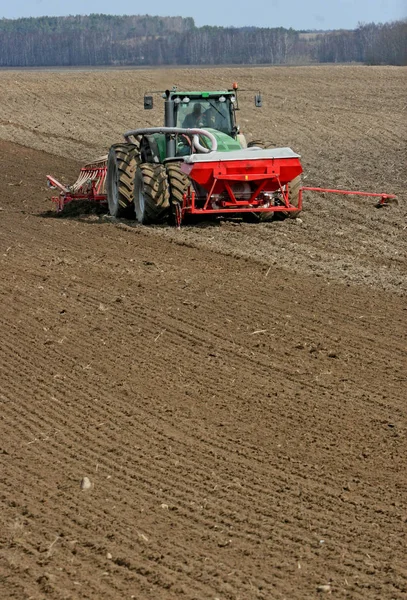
x=204, y=95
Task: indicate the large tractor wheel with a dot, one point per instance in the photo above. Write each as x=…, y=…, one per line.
x=122, y=163
x=151, y=194
x=294, y=196
x=178, y=183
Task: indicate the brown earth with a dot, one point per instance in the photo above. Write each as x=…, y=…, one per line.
x=235, y=393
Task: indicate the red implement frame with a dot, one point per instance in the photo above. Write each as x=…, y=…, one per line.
x=382, y=202
x=264, y=177
x=89, y=186
x=269, y=180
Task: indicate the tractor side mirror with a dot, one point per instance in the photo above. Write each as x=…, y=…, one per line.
x=148, y=102
x=258, y=101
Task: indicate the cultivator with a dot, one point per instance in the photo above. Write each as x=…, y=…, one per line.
x=90, y=185
x=178, y=171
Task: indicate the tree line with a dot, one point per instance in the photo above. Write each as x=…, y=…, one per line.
x=153, y=41
x=372, y=44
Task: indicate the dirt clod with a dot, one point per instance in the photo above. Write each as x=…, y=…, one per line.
x=86, y=483
x=324, y=588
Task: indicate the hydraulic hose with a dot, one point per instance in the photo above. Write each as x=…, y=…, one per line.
x=194, y=133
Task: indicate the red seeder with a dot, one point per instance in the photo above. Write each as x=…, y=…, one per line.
x=220, y=184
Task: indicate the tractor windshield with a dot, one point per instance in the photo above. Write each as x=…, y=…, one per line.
x=205, y=112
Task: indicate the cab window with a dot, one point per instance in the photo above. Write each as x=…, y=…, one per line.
x=204, y=113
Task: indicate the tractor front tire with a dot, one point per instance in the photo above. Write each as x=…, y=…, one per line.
x=122, y=162
x=178, y=183
x=151, y=194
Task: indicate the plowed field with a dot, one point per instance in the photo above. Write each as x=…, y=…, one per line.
x=235, y=393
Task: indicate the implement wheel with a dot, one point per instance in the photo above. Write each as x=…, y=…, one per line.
x=265, y=217
x=178, y=183
x=122, y=163
x=294, y=196
x=151, y=194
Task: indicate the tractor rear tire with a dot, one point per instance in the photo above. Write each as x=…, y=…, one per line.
x=151, y=194
x=122, y=162
x=178, y=183
x=294, y=196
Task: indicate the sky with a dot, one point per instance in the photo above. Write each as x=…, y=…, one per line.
x=299, y=14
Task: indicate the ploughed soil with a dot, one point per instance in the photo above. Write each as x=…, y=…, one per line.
x=235, y=393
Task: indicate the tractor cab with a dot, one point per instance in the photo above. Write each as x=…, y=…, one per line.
x=211, y=110
x=215, y=111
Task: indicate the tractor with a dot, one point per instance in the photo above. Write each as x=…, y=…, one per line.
x=153, y=173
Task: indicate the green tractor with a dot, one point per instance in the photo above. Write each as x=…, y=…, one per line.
x=144, y=175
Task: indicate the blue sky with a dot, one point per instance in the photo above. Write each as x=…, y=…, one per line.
x=299, y=14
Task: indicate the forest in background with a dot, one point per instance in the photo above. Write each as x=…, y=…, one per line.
x=97, y=40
